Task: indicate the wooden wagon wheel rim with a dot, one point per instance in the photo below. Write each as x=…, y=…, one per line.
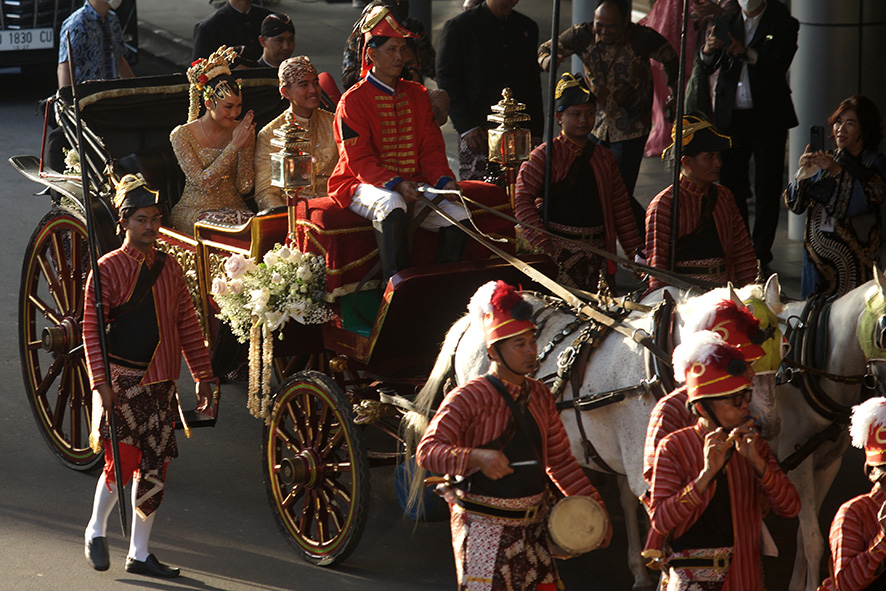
x=316, y=468
x=50, y=312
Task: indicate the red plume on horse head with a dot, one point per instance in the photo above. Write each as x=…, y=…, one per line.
x=732, y=321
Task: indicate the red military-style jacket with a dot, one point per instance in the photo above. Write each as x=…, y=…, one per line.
x=386, y=135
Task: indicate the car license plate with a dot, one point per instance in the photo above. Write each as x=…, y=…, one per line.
x=26, y=39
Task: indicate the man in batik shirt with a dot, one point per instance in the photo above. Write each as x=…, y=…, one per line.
x=616, y=53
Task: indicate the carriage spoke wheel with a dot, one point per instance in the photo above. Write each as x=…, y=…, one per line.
x=316, y=469
x=53, y=279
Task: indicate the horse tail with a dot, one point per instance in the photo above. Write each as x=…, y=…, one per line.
x=415, y=422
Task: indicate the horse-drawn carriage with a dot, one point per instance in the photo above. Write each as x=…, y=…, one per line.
x=315, y=457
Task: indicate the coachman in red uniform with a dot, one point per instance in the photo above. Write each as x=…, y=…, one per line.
x=388, y=146
x=150, y=322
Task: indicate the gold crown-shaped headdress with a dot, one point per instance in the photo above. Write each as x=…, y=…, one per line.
x=202, y=72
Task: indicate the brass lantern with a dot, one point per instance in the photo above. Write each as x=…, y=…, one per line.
x=509, y=144
x=291, y=164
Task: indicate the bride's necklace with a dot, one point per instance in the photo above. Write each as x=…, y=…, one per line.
x=212, y=143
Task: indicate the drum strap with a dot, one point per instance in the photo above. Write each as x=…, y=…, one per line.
x=519, y=417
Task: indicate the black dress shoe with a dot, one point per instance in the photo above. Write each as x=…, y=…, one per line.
x=97, y=553
x=151, y=567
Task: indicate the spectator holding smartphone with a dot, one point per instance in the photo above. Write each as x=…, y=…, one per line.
x=841, y=191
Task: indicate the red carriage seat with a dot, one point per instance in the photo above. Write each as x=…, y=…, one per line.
x=348, y=240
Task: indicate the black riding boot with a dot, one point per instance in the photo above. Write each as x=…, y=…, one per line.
x=451, y=247
x=392, y=236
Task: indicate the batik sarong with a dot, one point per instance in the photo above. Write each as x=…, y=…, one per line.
x=144, y=417
x=495, y=554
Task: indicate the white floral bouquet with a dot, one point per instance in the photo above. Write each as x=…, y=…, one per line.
x=258, y=299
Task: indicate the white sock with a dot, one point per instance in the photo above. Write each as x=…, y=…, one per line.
x=141, y=531
x=102, y=506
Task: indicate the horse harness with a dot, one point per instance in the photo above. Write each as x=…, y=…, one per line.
x=809, y=346
x=571, y=364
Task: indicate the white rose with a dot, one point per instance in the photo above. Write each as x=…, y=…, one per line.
x=237, y=265
x=271, y=258
x=284, y=252
x=277, y=278
x=304, y=274
x=235, y=286
x=295, y=256
x=303, y=288
x=219, y=286
x=258, y=299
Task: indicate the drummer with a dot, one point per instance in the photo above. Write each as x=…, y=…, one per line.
x=711, y=481
x=503, y=435
x=858, y=534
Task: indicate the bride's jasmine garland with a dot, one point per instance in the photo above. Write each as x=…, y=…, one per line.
x=258, y=299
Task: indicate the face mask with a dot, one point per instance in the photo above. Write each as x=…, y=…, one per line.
x=749, y=6
x=114, y=4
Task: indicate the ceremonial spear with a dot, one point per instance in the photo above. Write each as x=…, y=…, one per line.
x=678, y=141
x=97, y=285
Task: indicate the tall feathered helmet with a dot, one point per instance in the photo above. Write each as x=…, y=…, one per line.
x=501, y=311
x=732, y=321
x=711, y=367
x=868, y=430
x=211, y=80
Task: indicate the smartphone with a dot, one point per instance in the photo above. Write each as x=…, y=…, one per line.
x=816, y=138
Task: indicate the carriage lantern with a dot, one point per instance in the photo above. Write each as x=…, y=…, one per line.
x=291, y=164
x=509, y=144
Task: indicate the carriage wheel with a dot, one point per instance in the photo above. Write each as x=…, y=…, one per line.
x=54, y=275
x=316, y=468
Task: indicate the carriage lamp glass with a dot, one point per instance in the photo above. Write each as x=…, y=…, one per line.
x=291, y=163
x=509, y=144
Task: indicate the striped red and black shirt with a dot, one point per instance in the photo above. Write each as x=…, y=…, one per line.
x=179, y=329
x=858, y=546
x=677, y=503
x=618, y=219
x=475, y=414
x=741, y=261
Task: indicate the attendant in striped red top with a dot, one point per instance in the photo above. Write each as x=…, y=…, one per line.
x=150, y=322
x=506, y=450
x=858, y=534
x=712, y=481
x=739, y=328
x=587, y=200
x=712, y=241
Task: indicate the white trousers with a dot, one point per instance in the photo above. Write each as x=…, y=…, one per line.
x=375, y=204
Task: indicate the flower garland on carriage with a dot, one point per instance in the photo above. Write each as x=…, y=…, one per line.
x=258, y=299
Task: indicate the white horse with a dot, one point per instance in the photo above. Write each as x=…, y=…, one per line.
x=617, y=431
x=814, y=476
